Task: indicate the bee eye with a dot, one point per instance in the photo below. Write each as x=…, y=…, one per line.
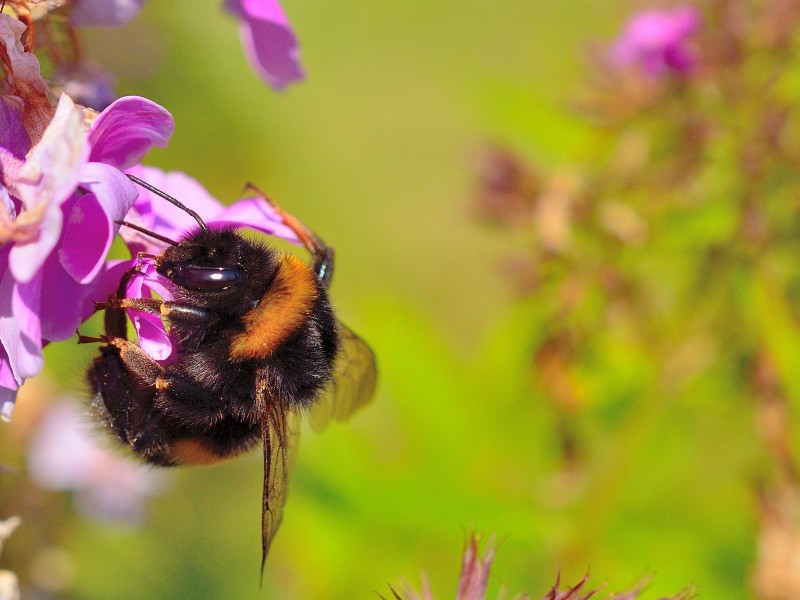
x=205, y=278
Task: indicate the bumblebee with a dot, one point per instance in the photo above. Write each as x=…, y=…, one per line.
x=255, y=345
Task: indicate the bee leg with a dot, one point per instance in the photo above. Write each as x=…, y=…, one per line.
x=171, y=310
x=194, y=322
x=323, y=254
x=116, y=321
x=148, y=305
x=141, y=365
x=124, y=379
x=89, y=339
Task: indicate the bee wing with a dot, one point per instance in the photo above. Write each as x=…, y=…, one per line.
x=280, y=434
x=353, y=384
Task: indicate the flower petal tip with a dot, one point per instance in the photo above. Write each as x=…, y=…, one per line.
x=6, y=410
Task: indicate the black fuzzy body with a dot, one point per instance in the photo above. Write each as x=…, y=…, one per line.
x=202, y=394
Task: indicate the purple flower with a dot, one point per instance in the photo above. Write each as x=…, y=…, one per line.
x=104, y=12
x=88, y=85
x=475, y=570
x=269, y=41
x=63, y=455
x=159, y=216
x=657, y=41
x=61, y=191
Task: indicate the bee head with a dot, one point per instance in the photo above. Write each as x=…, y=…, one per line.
x=220, y=266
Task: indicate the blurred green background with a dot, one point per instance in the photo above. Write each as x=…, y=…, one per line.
x=374, y=151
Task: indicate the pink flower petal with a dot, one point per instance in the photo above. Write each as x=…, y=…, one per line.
x=90, y=227
x=26, y=259
x=20, y=328
x=269, y=41
x=8, y=386
x=657, y=40
x=8, y=382
x=256, y=213
x=160, y=216
x=26, y=301
x=127, y=130
x=59, y=320
x=87, y=238
x=51, y=169
x=153, y=337
x=104, y=285
x=46, y=180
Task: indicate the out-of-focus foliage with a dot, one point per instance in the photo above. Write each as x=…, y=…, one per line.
x=621, y=397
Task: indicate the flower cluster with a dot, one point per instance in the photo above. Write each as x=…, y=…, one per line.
x=62, y=190
x=667, y=255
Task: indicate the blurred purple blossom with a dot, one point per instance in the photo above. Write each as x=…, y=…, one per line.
x=63, y=455
x=269, y=41
x=88, y=85
x=657, y=41
x=159, y=216
x=104, y=12
x=475, y=571
x=61, y=191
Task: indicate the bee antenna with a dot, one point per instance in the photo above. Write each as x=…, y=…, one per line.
x=169, y=199
x=152, y=234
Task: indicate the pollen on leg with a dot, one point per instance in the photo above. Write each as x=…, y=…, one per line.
x=140, y=365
